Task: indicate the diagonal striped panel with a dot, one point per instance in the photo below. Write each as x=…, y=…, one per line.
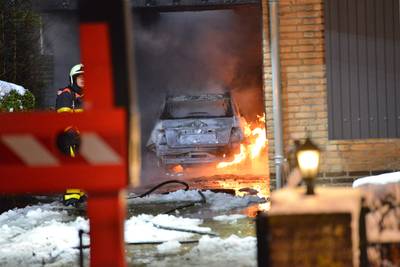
x=96, y=151
x=29, y=150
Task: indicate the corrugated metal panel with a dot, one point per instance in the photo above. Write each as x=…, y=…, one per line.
x=362, y=44
x=397, y=69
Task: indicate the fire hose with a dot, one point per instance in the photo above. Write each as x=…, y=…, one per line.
x=202, y=201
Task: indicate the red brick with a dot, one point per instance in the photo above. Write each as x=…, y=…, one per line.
x=310, y=81
x=288, y=42
x=303, y=48
x=291, y=62
x=286, y=49
x=315, y=61
x=288, y=28
x=290, y=21
x=309, y=14
x=291, y=35
x=311, y=41
x=307, y=21
x=311, y=28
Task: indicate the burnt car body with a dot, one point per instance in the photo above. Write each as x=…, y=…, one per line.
x=197, y=129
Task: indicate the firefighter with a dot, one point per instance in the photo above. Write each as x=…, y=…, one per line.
x=69, y=99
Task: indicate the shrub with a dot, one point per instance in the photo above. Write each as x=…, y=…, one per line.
x=13, y=101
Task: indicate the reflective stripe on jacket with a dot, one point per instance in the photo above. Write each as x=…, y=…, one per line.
x=69, y=101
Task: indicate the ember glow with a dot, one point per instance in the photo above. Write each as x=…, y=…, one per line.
x=256, y=141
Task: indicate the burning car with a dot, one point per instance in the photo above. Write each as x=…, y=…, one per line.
x=197, y=129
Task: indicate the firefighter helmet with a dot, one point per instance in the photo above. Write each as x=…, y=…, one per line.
x=75, y=71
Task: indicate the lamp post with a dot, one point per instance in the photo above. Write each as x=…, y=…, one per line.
x=308, y=156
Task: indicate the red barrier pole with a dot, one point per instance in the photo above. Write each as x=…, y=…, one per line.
x=106, y=210
x=106, y=214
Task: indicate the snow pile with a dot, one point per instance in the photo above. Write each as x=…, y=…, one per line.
x=169, y=247
x=6, y=88
x=229, y=218
x=33, y=236
x=393, y=177
x=44, y=234
x=144, y=228
x=210, y=252
x=216, y=201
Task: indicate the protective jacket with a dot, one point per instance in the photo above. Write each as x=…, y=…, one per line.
x=69, y=99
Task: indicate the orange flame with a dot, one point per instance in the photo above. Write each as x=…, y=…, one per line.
x=256, y=136
x=261, y=118
x=260, y=141
x=237, y=158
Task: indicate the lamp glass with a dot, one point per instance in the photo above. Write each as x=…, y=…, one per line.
x=308, y=163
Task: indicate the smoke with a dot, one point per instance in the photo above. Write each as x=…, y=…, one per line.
x=195, y=53
x=61, y=43
x=199, y=52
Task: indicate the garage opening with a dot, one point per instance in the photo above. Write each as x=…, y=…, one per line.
x=199, y=75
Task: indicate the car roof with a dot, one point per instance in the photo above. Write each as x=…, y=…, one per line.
x=202, y=97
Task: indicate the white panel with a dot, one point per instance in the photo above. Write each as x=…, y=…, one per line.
x=96, y=151
x=29, y=150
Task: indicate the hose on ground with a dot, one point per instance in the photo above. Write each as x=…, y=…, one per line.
x=202, y=201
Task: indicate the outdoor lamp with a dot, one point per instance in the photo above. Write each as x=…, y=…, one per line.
x=308, y=161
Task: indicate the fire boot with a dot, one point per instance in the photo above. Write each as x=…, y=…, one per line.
x=73, y=197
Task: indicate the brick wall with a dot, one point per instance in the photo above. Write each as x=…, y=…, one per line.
x=304, y=97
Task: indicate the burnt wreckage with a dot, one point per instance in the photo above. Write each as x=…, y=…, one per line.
x=197, y=129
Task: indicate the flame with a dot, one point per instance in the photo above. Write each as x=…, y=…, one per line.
x=261, y=118
x=247, y=130
x=177, y=169
x=260, y=141
x=255, y=134
x=237, y=158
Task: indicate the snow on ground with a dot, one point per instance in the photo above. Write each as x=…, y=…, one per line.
x=217, y=201
x=44, y=234
x=47, y=234
x=33, y=235
x=141, y=228
x=169, y=247
x=392, y=177
x=6, y=87
x=229, y=218
x=217, y=252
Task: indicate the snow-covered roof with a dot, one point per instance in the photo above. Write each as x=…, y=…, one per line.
x=325, y=200
x=6, y=87
x=386, y=178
